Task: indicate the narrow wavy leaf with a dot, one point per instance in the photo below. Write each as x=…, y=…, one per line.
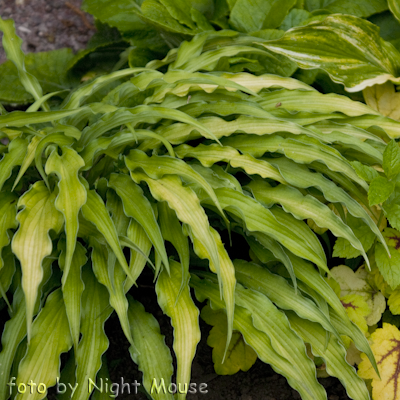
x=184, y=319
x=156, y=366
x=32, y=243
x=71, y=196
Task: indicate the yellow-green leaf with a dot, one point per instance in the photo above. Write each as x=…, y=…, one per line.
x=154, y=358
x=356, y=283
x=184, y=319
x=386, y=348
x=73, y=287
x=240, y=356
x=94, y=210
x=187, y=207
x=94, y=341
x=32, y=242
x=384, y=99
x=50, y=338
x=71, y=196
x=394, y=302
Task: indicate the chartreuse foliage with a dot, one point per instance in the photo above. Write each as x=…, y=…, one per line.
x=194, y=151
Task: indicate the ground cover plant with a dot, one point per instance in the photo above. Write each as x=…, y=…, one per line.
x=160, y=165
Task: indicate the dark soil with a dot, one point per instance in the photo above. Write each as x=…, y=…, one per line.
x=52, y=24
x=48, y=24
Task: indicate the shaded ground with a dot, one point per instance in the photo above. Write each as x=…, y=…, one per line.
x=52, y=24
x=48, y=24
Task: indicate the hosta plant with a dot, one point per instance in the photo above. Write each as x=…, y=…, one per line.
x=94, y=186
x=134, y=32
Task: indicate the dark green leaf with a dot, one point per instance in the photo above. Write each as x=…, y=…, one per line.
x=253, y=15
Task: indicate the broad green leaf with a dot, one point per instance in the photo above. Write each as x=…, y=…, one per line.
x=379, y=190
x=394, y=7
x=385, y=347
x=49, y=69
x=388, y=267
x=250, y=16
x=359, y=8
x=240, y=356
x=32, y=243
x=391, y=159
x=12, y=46
x=94, y=341
x=95, y=211
x=156, y=366
x=394, y=302
x=384, y=99
x=50, y=338
x=295, y=18
x=137, y=206
x=72, y=287
x=333, y=354
x=304, y=207
x=392, y=213
x=184, y=319
x=156, y=14
x=71, y=196
x=187, y=207
x=365, y=171
x=360, y=58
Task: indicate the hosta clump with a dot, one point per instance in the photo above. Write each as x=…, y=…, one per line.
x=91, y=191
